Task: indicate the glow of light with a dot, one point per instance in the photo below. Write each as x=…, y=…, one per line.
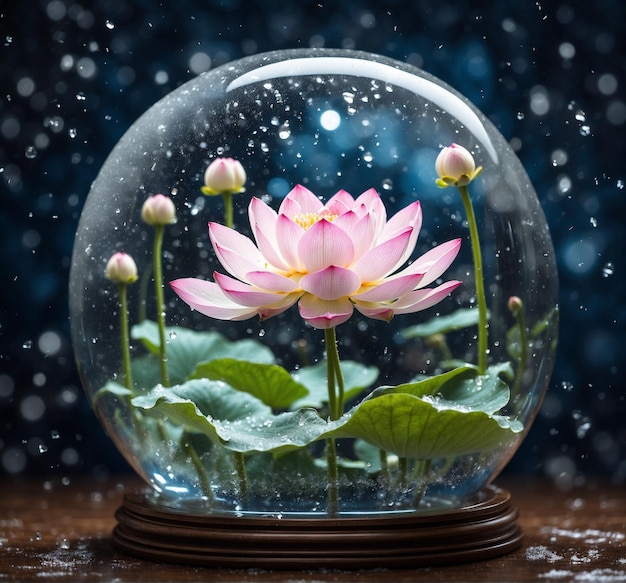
x=330, y=120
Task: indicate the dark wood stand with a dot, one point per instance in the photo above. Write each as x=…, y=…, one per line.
x=483, y=530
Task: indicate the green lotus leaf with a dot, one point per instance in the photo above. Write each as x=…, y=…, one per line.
x=461, y=387
x=146, y=372
x=415, y=428
x=463, y=318
x=187, y=348
x=239, y=421
x=270, y=383
x=356, y=377
x=278, y=434
x=114, y=389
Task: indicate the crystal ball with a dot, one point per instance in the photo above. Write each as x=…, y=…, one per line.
x=343, y=300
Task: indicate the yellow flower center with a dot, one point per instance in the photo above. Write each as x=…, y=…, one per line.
x=307, y=220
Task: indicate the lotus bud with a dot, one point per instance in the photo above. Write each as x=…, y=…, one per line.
x=224, y=176
x=121, y=268
x=515, y=304
x=158, y=210
x=455, y=166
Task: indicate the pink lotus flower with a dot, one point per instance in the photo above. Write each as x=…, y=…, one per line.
x=329, y=258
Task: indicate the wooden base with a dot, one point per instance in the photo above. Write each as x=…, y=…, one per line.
x=475, y=532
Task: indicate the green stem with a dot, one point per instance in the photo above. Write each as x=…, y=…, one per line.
x=523, y=355
x=333, y=363
x=128, y=377
x=227, y=197
x=421, y=487
x=384, y=466
x=439, y=342
x=240, y=466
x=403, y=472
x=205, y=483
x=479, y=279
x=333, y=478
x=160, y=303
x=334, y=380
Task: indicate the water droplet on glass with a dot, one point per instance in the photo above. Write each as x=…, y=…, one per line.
x=198, y=206
x=109, y=25
x=30, y=152
x=43, y=448
x=580, y=115
x=594, y=222
x=582, y=430
x=608, y=269
x=620, y=184
x=27, y=345
x=584, y=130
x=284, y=132
x=520, y=115
x=387, y=184
x=72, y=133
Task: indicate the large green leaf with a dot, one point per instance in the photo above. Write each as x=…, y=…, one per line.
x=270, y=383
x=356, y=377
x=233, y=418
x=278, y=434
x=187, y=348
x=113, y=389
x=146, y=372
x=460, y=388
x=463, y=318
x=212, y=398
x=431, y=385
x=412, y=427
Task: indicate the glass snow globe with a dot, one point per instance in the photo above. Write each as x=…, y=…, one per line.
x=314, y=289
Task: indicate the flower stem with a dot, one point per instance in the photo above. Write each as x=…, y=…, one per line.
x=158, y=284
x=424, y=470
x=335, y=391
x=333, y=478
x=384, y=466
x=403, y=473
x=334, y=379
x=240, y=466
x=227, y=197
x=205, y=483
x=479, y=280
x=128, y=377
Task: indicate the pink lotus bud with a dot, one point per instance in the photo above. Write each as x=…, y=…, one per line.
x=121, y=268
x=224, y=176
x=158, y=210
x=455, y=166
x=515, y=304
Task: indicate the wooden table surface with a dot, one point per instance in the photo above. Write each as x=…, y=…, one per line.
x=60, y=530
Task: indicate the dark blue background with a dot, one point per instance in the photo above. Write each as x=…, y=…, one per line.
x=74, y=76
